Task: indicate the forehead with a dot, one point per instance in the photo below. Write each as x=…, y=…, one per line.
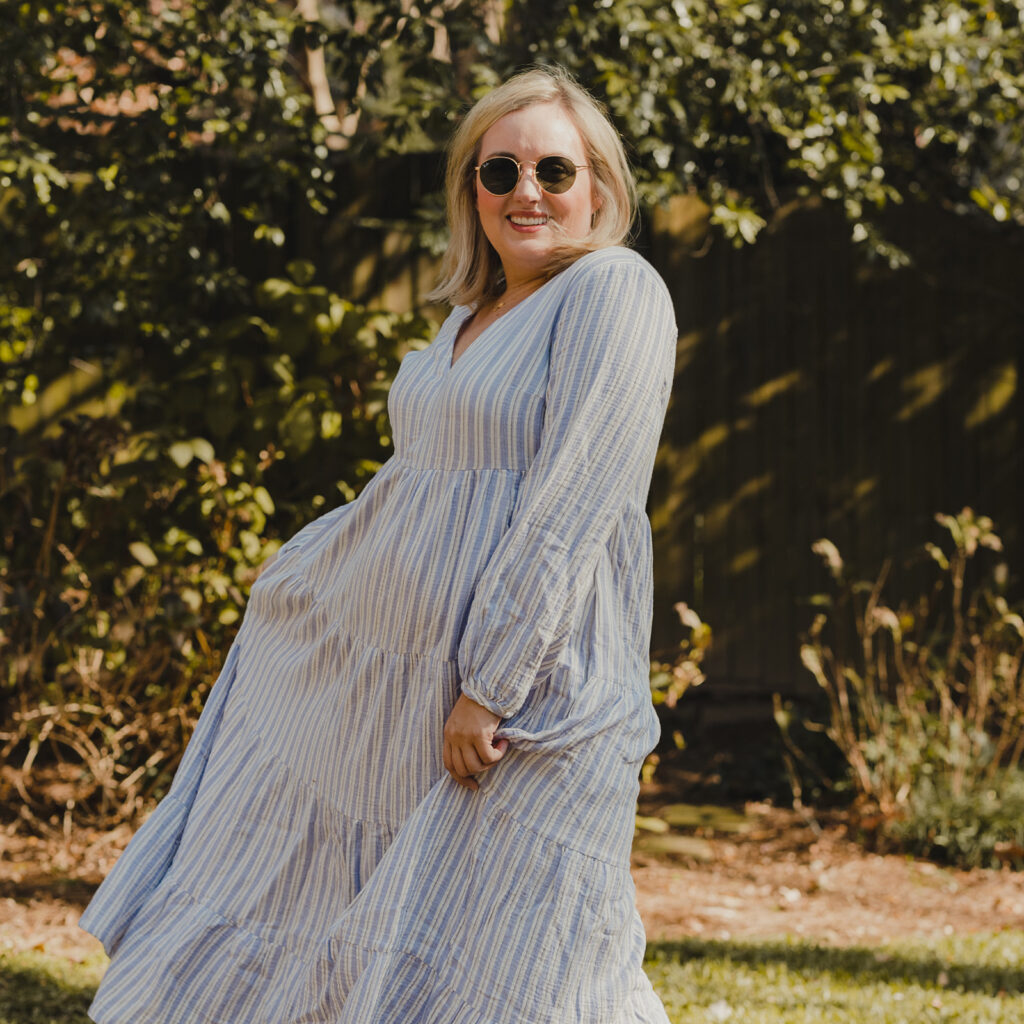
x=543, y=129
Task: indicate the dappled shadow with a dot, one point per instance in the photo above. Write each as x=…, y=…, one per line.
x=875, y=965
x=43, y=886
x=822, y=395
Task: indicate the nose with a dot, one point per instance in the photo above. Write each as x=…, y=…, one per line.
x=527, y=187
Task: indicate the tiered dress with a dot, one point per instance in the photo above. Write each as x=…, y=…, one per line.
x=313, y=862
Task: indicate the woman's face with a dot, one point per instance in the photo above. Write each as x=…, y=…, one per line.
x=519, y=225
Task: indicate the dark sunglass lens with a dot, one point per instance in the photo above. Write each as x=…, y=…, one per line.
x=556, y=174
x=499, y=175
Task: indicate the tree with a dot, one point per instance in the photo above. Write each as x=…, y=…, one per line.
x=747, y=104
x=181, y=386
x=180, y=391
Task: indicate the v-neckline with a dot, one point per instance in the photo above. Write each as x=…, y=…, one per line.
x=451, y=364
x=464, y=322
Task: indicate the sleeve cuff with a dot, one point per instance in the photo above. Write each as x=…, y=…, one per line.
x=471, y=689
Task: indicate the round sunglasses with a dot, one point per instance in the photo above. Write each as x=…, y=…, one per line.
x=555, y=174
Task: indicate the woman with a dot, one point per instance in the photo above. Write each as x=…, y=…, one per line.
x=410, y=797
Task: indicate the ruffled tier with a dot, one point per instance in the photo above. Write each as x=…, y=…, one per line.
x=394, y=987
x=468, y=916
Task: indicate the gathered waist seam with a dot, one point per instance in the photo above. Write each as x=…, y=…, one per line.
x=406, y=463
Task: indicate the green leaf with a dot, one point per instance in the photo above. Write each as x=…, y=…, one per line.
x=143, y=553
x=262, y=497
x=181, y=453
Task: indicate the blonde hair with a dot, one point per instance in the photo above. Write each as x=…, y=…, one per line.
x=470, y=269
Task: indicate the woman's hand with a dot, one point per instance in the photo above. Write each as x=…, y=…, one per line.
x=469, y=743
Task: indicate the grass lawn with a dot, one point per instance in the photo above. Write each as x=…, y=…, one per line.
x=976, y=979
x=36, y=988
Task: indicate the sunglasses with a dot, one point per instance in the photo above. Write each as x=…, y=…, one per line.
x=554, y=174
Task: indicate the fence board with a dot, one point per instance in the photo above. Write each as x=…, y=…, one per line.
x=819, y=395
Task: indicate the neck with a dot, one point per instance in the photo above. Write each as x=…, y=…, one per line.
x=517, y=290
x=510, y=297
x=522, y=285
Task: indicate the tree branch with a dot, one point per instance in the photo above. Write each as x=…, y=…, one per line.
x=319, y=86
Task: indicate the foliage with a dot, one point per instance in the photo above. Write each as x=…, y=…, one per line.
x=751, y=104
x=155, y=153
x=152, y=159
x=982, y=826
x=747, y=104
x=669, y=681
x=926, y=699
x=181, y=387
x=127, y=552
x=180, y=391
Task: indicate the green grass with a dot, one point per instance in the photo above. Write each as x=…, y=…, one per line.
x=968, y=980
x=975, y=979
x=37, y=988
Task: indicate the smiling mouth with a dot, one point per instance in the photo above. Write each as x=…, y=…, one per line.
x=529, y=222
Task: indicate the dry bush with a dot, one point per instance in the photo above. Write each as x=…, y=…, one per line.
x=926, y=697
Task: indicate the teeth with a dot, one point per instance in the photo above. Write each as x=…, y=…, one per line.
x=529, y=221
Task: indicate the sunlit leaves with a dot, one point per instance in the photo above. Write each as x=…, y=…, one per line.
x=740, y=223
x=860, y=103
x=180, y=389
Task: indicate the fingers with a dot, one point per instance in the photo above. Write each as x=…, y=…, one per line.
x=464, y=761
x=456, y=769
x=471, y=760
x=489, y=752
x=467, y=782
x=469, y=744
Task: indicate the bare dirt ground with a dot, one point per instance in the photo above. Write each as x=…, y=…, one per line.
x=776, y=874
x=45, y=885
x=785, y=875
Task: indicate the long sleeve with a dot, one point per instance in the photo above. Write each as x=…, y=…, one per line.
x=611, y=366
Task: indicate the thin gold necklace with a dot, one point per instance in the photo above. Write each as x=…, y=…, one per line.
x=500, y=305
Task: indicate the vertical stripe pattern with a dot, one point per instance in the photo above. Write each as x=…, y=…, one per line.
x=313, y=863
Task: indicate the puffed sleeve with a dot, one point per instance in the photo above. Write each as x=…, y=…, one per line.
x=612, y=360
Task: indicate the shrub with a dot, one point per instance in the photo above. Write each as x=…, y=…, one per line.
x=982, y=826
x=180, y=389
x=926, y=699
x=130, y=540
x=670, y=680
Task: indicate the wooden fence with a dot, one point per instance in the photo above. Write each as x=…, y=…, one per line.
x=819, y=395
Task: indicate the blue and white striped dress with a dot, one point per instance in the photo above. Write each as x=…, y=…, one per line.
x=313, y=862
